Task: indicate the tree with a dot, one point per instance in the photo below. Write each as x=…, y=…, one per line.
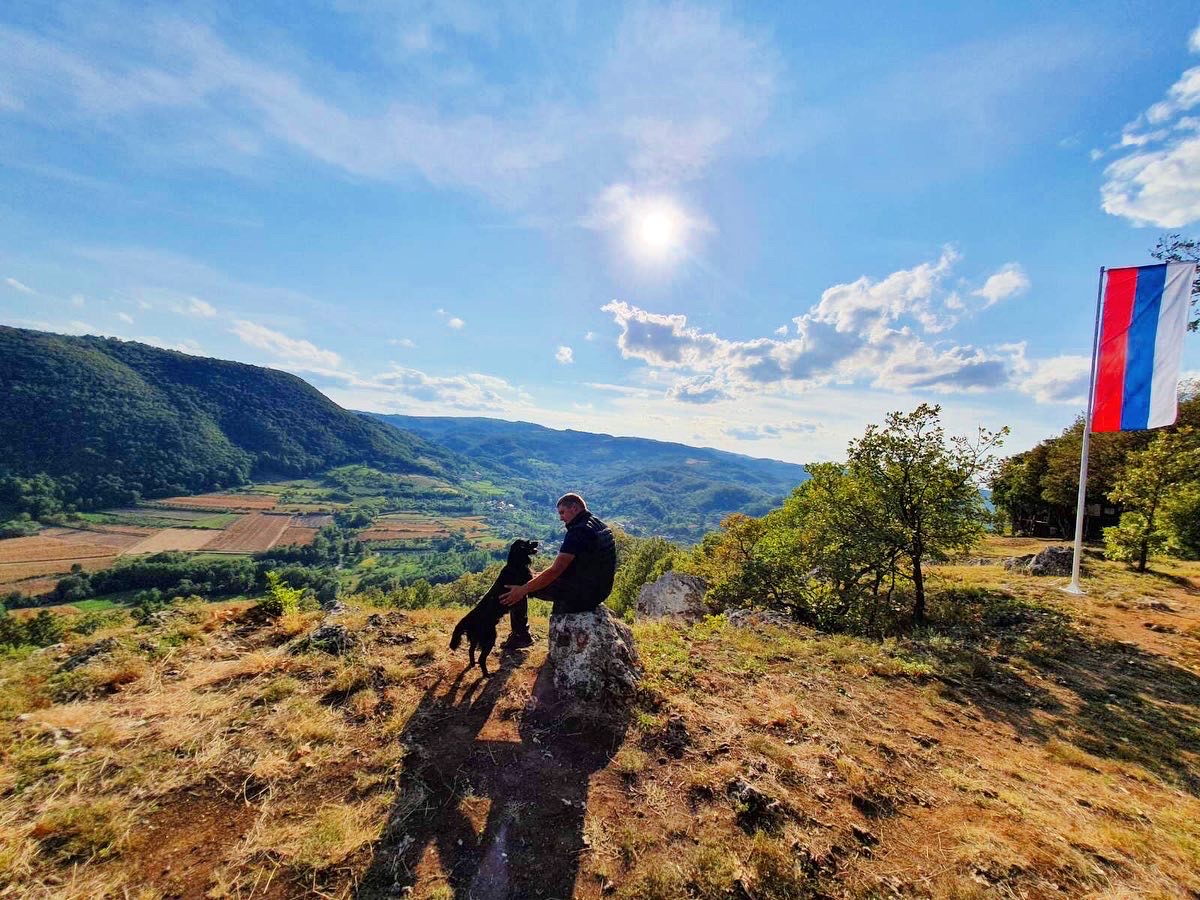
x=925, y=490
x=644, y=560
x=1177, y=248
x=1144, y=488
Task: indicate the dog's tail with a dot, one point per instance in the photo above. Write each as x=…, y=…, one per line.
x=456, y=638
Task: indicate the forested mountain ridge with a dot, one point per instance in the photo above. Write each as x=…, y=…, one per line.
x=684, y=490
x=108, y=421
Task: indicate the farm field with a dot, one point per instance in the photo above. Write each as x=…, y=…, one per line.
x=296, y=534
x=250, y=534
x=173, y=539
x=223, y=501
x=36, y=557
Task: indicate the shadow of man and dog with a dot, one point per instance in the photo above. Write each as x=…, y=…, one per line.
x=536, y=792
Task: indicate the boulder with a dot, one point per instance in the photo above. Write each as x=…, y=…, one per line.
x=592, y=656
x=1018, y=563
x=674, y=595
x=88, y=653
x=1051, y=561
x=755, y=618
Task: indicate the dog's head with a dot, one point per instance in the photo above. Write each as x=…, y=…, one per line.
x=521, y=552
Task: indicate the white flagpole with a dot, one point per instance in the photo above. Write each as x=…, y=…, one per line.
x=1081, y=501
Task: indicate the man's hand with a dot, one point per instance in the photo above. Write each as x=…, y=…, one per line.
x=514, y=595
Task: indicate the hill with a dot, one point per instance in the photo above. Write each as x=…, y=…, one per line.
x=108, y=421
x=651, y=486
x=1046, y=746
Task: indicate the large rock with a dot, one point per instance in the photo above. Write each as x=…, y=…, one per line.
x=592, y=656
x=1051, y=561
x=755, y=618
x=674, y=595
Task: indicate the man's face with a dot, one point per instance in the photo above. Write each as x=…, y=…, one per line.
x=566, y=512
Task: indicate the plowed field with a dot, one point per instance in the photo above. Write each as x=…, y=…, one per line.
x=103, y=536
x=402, y=532
x=296, y=534
x=251, y=533
x=38, y=548
x=173, y=539
x=223, y=501
x=13, y=572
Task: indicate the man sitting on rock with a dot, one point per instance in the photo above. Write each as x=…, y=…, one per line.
x=579, y=579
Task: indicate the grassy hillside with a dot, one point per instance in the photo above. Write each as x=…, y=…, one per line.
x=653, y=486
x=1041, y=746
x=110, y=420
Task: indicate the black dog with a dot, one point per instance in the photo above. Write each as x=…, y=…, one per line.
x=479, y=625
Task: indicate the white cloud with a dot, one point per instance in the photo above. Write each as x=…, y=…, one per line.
x=1158, y=182
x=78, y=301
x=758, y=432
x=402, y=389
x=1059, y=379
x=125, y=317
x=782, y=331
x=456, y=323
x=18, y=286
x=676, y=89
x=590, y=336
x=402, y=342
x=294, y=351
x=865, y=331
x=564, y=355
x=194, y=306
x=1008, y=282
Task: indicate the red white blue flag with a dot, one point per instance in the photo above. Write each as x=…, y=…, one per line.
x=1141, y=346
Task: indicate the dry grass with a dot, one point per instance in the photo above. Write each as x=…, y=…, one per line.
x=1051, y=756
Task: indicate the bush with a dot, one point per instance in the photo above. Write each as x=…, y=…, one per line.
x=645, y=560
x=1127, y=541
x=281, y=600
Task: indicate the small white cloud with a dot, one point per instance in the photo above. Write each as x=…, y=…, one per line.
x=1059, y=379
x=782, y=331
x=1008, y=282
x=590, y=336
x=18, y=286
x=293, y=350
x=78, y=301
x=1194, y=41
x=440, y=311
x=456, y=323
x=565, y=355
x=197, y=307
x=402, y=342
x=125, y=317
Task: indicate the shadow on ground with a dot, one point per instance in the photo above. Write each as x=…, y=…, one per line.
x=1111, y=698
x=535, y=792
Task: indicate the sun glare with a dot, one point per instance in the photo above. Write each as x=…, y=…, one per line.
x=657, y=231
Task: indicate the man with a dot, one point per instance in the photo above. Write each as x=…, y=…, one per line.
x=579, y=579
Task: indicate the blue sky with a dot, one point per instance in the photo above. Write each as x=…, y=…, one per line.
x=757, y=227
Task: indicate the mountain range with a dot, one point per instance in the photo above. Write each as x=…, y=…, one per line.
x=88, y=422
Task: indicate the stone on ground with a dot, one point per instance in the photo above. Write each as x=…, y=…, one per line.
x=592, y=656
x=1051, y=561
x=673, y=595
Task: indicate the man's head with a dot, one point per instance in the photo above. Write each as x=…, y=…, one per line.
x=569, y=506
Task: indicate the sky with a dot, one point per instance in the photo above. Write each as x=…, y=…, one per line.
x=756, y=227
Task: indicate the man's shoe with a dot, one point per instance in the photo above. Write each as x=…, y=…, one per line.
x=517, y=641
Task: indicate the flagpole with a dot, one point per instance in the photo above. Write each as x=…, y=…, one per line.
x=1081, y=501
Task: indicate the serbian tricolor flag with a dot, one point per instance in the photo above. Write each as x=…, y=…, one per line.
x=1141, y=346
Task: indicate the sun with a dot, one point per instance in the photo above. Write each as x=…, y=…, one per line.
x=657, y=231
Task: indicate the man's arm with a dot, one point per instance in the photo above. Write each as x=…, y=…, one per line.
x=517, y=593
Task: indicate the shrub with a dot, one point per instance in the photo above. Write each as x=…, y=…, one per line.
x=281, y=600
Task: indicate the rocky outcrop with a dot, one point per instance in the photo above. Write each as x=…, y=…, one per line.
x=1051, y=561
x=592, y=657
x=754, y=618
x=673, y=595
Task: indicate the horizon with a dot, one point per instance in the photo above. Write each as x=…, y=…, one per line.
x=751, y=230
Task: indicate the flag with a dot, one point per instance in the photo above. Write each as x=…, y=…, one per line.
x=1141, y=346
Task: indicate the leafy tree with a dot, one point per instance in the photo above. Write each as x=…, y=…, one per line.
x=44, y=629
x=1181, y=515
x=1177, y=248
x=644, y=561
x=1144, y=488
x=924, y=490
x=12, y=631
x=281, y=600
